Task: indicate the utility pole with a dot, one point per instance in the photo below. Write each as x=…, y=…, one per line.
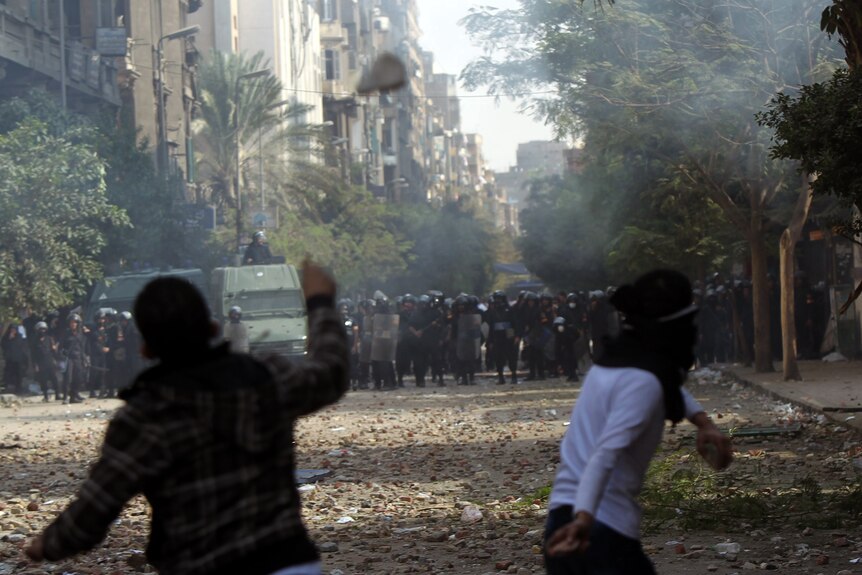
x=164, y=158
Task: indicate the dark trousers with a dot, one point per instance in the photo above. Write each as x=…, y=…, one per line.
x=364, y=374
x=13, y=376
x=436, y=362
x=609, y=553
x=74, y=379
x=504, y=352
x=383, y=373
x=47, y=378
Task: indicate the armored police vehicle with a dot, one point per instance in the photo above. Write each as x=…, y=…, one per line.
x=119, y=292
x=272, y=304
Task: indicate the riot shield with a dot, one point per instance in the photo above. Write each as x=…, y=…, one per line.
x=469, y=337
x=385, y=337
x=366, y=338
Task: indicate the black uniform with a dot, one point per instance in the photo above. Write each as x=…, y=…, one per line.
x=74, y=350
x=502, y=339
x=257, y=254
x=45, y=356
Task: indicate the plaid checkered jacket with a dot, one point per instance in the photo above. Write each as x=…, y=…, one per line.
x=211, y=447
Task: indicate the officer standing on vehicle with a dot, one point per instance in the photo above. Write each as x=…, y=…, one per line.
x=257, y=253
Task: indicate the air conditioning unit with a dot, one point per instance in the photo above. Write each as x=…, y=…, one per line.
x=381, y=24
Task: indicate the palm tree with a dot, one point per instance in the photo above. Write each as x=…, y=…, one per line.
x=240, y=109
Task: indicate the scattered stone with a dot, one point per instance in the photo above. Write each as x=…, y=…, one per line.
x=437, y=536
x=822, y=560
x=329, y=547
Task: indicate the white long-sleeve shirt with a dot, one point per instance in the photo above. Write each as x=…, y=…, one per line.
x=615, y=429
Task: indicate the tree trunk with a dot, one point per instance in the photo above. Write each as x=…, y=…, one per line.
x=760, y=289
x=789, y=239
x=788, y=313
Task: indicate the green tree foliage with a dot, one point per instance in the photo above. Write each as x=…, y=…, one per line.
x=563, y=238
x=272, y=133
x=820, y=126
x=453, y=250
x=53, y=210
x=665, y=92
x=157, y=235
x=349, y=231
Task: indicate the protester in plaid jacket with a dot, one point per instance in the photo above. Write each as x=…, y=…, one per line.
x=207, y=436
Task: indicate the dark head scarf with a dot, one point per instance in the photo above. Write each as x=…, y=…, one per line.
x=658, y=333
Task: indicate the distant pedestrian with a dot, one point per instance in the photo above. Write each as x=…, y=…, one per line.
x=207, y=436
x=594, y=519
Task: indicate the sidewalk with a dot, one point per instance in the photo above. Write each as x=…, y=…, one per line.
x=835, y=389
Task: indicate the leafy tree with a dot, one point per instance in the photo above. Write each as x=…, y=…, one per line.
x=562, y=237
x=53, y=209
x=674, y=82
x=452, y=250
x=250, y=113
x=156, y=208
x=351, y=232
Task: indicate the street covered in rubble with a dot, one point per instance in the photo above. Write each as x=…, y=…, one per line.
x=455, y=480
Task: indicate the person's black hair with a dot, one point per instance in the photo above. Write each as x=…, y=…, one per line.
x=655, y=295
x=173, y=319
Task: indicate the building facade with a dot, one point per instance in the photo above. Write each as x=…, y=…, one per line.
x=111, y=58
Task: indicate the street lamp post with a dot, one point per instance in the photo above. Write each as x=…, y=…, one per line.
x=163, y=123
x=240, y=78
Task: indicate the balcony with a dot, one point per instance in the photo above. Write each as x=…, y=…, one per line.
x=332, y=33
x=35, y=49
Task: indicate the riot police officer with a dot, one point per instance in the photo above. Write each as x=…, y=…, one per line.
x=45, y=355
x=384, y=344
x=235, y=331
x=257, y=252
x=503, y=336
x=351, y=328
x=74, y=351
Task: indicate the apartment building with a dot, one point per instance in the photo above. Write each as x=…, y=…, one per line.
x=114, y=54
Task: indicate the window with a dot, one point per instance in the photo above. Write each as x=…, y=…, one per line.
x=332, y=64
x=328, y=11
x=105, y=14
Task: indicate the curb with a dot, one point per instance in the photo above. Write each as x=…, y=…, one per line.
x=803, y=405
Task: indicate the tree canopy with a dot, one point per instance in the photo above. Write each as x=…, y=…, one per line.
x=53, y=212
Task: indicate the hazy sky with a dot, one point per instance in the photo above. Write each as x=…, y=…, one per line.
x=501, y=126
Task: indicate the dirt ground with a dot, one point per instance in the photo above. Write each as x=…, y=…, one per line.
x=453, y=480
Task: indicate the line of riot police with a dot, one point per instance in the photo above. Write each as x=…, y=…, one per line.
x=429, y=334
x=69, y=359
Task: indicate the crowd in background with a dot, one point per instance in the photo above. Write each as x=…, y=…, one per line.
x=549, y=335
x=68, y=359
x=429, y=337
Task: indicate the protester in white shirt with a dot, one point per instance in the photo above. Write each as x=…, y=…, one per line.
x=617, y=424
